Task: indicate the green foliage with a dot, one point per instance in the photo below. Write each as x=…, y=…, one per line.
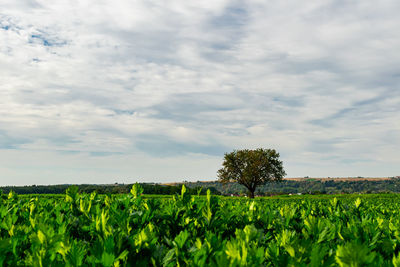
x=251, y=168
x=192, y=230
x=353, y=254
x=136, y=190
x=306, y=186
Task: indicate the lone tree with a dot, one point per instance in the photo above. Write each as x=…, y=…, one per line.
x=251, y=168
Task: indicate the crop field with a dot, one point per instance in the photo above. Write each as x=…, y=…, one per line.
x=190, y=230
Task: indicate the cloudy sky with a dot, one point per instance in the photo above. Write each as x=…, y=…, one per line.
x=125, y=91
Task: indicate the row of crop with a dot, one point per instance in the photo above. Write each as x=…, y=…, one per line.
x=126, y=230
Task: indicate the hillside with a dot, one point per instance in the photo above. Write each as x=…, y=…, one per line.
x=287, y=186
x=310, y=186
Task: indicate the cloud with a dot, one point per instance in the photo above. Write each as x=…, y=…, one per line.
x=174, y=81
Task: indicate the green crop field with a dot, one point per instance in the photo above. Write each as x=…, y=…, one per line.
x=186, y=230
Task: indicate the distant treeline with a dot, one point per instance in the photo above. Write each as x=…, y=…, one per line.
x=309, y=186
x=306, y=186
x=149, y=188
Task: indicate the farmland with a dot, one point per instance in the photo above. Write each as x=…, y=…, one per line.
x=131, y=229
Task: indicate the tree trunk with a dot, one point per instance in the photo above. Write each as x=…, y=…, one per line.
x=251, y=193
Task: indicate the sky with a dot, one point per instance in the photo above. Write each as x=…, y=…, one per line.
x=157, y=91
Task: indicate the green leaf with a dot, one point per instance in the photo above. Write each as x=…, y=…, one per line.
x=396, y=260
x=71, y=193
x=181, y=239
x=322, y=235
x=169, y=257
x=353, y=254
x=76, y=254
x=136, y=190
x=357, y=203
x=107, y=259
x=12, y=195
x=318, y=254
x=41, y=236
x=183, y=190
x=290, y=250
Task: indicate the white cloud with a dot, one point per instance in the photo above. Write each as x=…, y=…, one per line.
x=176, y=80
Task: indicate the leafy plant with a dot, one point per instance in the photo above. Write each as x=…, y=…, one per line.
x=194, y=230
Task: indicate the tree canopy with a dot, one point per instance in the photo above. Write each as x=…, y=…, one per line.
x=251, y=168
